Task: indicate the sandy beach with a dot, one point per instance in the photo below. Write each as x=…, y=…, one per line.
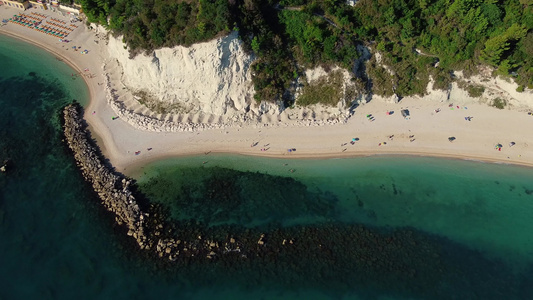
x=476, y=127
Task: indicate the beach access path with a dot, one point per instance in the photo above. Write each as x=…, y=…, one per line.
x=426, y=132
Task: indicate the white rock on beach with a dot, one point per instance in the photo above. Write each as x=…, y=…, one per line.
x=212, y=77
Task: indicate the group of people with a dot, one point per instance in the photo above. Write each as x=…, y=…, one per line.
x=139, y=152
x=458, y=107
x=265, y=147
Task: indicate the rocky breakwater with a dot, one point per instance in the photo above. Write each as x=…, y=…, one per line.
x=112, y=189
x=151, y=233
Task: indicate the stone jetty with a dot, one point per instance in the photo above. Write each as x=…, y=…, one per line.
x=111, y=188
x=114, y=191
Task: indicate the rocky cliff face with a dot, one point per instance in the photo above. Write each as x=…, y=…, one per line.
x=212, y=77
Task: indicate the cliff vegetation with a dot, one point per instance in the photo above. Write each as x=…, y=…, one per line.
x=416, y=38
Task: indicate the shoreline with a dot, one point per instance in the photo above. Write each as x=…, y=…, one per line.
x=120, y=140
x=135, y=170
x=95, y=60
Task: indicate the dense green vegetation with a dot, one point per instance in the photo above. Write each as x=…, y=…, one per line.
x=416, y=38
x=152, y=24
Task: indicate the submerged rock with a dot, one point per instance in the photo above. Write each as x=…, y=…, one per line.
x=5, y=166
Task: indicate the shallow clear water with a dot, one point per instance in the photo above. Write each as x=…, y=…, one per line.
x=461, y=228
x=487, y=207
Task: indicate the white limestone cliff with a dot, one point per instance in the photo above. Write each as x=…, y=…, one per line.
x=210, y=78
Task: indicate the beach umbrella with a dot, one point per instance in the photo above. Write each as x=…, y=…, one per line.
x=512, y=144
x=451, y=139
x=498, y=146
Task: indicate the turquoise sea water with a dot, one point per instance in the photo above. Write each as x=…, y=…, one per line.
x=388, y=227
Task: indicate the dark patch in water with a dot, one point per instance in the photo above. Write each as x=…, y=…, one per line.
x=217, y=195
x=29, y=111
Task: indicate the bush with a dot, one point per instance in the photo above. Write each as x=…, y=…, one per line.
x=499, y=103
x=326, y=90
x=475, y=91
x=156, y=105
x=520, y=88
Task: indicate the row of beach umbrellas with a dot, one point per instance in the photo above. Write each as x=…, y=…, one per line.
x=38, y=14
x=32, y=24
x=60, y=26
x=52, y=32
x=59, y=21
x=22, y=22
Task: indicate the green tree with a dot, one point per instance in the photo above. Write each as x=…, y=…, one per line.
x=496, y=46
x=256, y=47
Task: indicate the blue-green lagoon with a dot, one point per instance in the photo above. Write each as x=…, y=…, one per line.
x=363, y=228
